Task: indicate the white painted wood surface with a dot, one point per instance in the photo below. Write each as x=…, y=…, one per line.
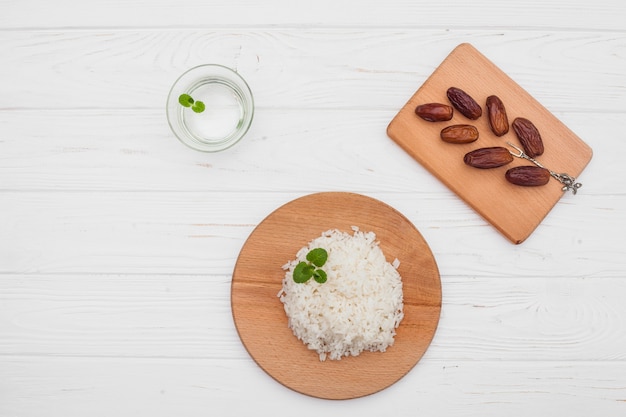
x=117, y=242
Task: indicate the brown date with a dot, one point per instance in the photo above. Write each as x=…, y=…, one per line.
x=434, y=112
x=528, y=136
x=459, y=134
x=485, y=158
x=498, y=121
x=528, y=176
x=464, y=103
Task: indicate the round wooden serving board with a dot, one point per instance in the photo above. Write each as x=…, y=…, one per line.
x=261, y=320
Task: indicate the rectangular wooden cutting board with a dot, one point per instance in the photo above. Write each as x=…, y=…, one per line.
x=513, y=210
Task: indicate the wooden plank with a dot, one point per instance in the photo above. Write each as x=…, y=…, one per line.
x=299, y=68
x=165, y=387
x=600, y=15
x=137, y=317
x=202, y=233
x=135, y=150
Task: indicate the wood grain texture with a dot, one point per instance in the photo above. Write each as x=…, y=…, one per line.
x=576, y=15
x=192, y=232
x=514, y=211
x=260, y=317
x=117, y=244
x=188, y=317
x=295, y=68
x=121, y=151
x=163, y=386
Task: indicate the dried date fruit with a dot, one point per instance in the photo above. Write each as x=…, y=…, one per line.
x=528, y=176
x=464, y=103
x=459, y=134
x=434, y=112
x=485, y=158
x=528, y=136
x=498, y=120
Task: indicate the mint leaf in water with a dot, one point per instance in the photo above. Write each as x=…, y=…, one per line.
x=185, y=100
x=198, y=107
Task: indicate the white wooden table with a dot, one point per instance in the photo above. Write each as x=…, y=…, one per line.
x=117, y=243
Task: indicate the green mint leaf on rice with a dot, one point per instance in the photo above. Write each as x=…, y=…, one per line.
x=319, y=276
x=303, y=272
x=317, y=256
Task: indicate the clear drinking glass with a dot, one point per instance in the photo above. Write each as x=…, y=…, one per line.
x=228, y=108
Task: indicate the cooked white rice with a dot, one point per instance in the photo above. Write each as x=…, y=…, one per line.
x=358, y=308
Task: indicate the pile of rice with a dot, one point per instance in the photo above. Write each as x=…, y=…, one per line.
x=358, y=308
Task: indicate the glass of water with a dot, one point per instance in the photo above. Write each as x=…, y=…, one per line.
x=210, y=108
